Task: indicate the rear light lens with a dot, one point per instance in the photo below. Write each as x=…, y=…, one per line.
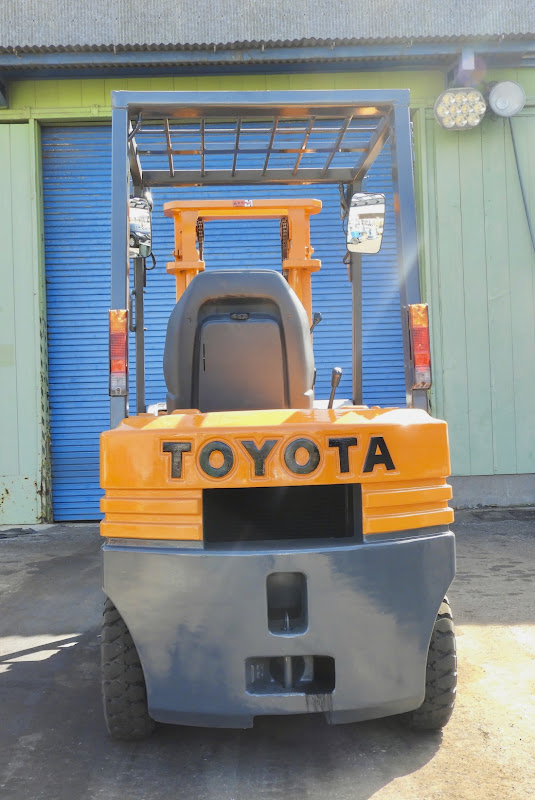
x=118, y=352
x=421, y=350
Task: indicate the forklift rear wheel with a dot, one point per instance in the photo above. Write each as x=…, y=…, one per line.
x=440, y=679
x=123, y=684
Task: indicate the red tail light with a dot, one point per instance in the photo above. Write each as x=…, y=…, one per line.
x=118, y=352
x=421, y=350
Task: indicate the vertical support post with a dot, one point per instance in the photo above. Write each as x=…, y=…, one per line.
x=139, y=318
x=355, y=276
x=187, y=263
x=355, y=267
x=406, y=234
x=119, y=233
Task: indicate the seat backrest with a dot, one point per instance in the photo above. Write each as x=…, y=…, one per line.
x=238, y=340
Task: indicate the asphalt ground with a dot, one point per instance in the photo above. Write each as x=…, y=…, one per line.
x=54, y=745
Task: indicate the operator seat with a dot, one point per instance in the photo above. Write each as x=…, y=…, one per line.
x=238, y=340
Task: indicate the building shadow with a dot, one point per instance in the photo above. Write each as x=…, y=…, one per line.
x=495, y=567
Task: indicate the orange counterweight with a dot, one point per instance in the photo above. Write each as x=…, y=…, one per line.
x=154, y=469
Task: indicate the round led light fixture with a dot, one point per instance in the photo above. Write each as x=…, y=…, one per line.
x=460, y=109
x=506, y=98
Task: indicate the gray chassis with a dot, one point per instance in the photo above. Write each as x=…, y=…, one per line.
x=198, y=617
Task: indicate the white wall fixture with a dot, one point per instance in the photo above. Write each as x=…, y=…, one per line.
x=506, y=98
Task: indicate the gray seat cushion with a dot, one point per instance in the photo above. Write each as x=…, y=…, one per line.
x=238, y=340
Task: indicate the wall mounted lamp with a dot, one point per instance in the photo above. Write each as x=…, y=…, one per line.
x=458, y=109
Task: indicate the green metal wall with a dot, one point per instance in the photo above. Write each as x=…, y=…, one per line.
x=23, y=450
x=479, y=269
x=62, y=100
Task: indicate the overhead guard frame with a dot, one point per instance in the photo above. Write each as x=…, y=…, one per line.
x=387, y=113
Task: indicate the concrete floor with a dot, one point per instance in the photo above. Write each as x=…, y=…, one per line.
x=53, y=743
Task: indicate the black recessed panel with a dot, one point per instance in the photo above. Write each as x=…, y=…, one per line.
x=282, y=513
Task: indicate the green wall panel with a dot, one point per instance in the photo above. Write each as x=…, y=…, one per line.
x=479, y=273
x=522, y=286
x=450, y=261
x=502, y=388
x=475, y=296
x=22, y=452
x=83, y=99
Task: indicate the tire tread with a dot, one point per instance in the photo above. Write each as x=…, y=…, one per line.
x=123, y=684
x=441, y=676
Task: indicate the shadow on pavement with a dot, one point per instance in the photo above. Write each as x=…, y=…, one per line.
x=495, y=567
x=53, y=744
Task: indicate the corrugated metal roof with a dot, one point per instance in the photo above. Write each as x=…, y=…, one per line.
x=57, y=23
x=212, y=47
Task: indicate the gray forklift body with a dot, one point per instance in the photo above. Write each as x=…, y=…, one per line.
x=230, y=630
x=212, y=651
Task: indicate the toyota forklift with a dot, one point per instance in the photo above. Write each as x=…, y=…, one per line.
x=267, y=553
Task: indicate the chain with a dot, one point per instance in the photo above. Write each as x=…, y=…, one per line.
x=200, y=236
x=285, y=235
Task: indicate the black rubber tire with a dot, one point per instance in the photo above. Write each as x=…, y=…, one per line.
x=123, y=685
x=440, y=679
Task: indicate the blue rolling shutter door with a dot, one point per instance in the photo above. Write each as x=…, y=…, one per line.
x=77, y=204
x=383, y=374
x=77, y=186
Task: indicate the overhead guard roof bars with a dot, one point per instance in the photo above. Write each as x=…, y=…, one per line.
x=262, y=137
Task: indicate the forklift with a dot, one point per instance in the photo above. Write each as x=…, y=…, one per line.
x=267, y=553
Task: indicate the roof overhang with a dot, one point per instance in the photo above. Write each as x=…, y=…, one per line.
x=42, y=62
